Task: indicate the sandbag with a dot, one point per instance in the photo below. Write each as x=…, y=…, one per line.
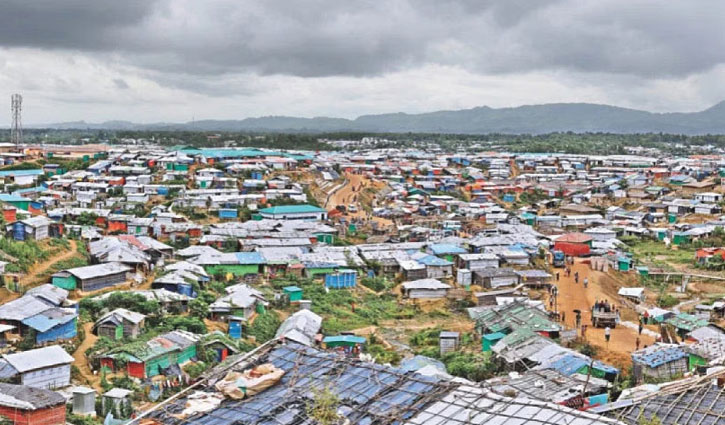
x=236, y=385
x=200, y=402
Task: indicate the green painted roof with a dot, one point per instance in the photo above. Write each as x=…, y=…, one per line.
x=518, y=336
x=292, y=209
x=515, y=315
x=687, y=322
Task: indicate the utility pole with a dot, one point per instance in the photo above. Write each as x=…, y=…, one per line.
x=16, y=130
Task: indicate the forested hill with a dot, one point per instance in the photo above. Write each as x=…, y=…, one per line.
x=532, y=119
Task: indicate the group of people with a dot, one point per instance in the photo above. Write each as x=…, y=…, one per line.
x=603, y=306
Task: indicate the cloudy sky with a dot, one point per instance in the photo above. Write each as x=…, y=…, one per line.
x=174, y=60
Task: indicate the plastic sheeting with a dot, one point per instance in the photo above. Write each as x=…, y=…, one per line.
x=236, y=385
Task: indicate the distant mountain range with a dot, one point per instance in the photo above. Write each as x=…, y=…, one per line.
x=535, y=119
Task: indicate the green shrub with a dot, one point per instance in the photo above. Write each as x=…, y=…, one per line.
x=265, y=326
x=667, y=301
x=473, y=366
x=377, y=284
x=425, y=337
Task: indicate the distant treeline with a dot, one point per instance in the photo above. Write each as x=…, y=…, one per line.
x=569, y=142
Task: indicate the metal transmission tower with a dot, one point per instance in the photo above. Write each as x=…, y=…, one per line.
x=16, y=131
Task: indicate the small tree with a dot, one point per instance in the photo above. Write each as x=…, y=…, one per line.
x=323, y=406
x=198, y=308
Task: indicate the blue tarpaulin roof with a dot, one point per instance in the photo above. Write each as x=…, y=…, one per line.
x=571, y=363
x=657, y=357
x=419, y=362
x=13, y=173
x=446, y=248
x=12, y=198
x=30, y=190
x=43, y=322
x=250, y=258
x=432, y=260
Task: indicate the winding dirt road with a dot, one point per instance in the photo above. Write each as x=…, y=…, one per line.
x=573, y=296
x=346, y=196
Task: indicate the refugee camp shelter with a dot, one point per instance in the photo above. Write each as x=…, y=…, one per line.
x=91, y=278
x=119, y=324
x=294, y=212
x=659, y=361
x=495, y=277
x=634, y=294
x=154, y=356
x=47, y=367
x=425, y=288
x=53, y=324
x=574, y=244
x=24, y=405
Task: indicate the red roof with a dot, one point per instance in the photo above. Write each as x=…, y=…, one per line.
x=133, y=241
x=709, y=252
x=576, y=237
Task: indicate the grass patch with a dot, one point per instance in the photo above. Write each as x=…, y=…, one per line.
x=336, y=306
x=657, y=254
x=26, y=252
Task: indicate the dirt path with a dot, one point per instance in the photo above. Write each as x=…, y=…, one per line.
x=346, y=196
x=29, y=280
x=80, y=357
x=573, y=296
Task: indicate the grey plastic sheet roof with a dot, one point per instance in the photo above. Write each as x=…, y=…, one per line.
x=698, y=404
x=371, y=394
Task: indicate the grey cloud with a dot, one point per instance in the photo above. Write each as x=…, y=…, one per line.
x=120, y=83
x=179, y=41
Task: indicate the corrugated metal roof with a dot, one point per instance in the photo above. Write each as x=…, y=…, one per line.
x=39, y=358
x=98, y=270
x=28, y=398
x=425, y=284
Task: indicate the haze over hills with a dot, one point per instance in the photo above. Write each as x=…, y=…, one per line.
x=534, y=119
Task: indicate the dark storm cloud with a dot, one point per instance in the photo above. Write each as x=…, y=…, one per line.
x=193, y=39
x=68, y=24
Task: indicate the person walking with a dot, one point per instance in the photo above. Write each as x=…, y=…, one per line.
x=607, y=334
x=557, y=276
x=586, y=282
x=576, y=277
x=641, y=328
x=636, y=343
